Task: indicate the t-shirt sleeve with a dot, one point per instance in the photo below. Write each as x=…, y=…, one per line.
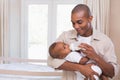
x=110, y=55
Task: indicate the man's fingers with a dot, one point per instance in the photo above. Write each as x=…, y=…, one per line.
x=85, y=44
x=92, y=77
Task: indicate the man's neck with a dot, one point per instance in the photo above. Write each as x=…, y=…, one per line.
x=88, y=33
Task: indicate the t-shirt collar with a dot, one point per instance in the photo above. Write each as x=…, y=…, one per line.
x=94, y=36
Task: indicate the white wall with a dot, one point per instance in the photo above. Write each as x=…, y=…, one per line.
x=115, y=28
x=14, y=24
x=115, y=25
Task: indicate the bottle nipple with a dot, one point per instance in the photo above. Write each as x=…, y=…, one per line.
x=75, y=46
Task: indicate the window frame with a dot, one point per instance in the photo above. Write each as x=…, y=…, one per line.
x=52, y=12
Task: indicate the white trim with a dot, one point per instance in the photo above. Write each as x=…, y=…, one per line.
x=28, y=73
x=5, y=29
x=1, y=27
x=52, y=23
x=14, y=28
x=19, y=60
x=23, y=38
x=68, y=2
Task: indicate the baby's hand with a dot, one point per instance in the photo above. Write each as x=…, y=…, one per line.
x=84, y=60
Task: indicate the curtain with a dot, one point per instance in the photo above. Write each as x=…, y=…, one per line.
x=4, y=28
x=101, y=12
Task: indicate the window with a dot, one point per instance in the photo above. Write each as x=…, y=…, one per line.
x=37, y=31
x=64, y=17
x=42, y=22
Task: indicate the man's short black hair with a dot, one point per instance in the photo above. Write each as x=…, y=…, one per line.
x=82, y=7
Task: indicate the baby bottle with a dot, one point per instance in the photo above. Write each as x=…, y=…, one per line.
x=75, y=46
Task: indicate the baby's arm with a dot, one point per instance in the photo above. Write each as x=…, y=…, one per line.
x=83, y=60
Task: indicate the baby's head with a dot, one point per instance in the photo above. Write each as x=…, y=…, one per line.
x=59, y=50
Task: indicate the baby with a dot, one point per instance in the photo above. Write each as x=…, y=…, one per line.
x=72, y=53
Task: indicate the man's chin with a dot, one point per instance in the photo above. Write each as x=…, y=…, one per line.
x=81, y=33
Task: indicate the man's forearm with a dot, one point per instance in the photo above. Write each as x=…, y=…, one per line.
x=83, y=69
x=107, y=68
x=69, y=66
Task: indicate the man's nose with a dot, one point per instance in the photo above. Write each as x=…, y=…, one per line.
x=76, y=26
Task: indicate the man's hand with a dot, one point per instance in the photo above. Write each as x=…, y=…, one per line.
x=104, y=77
x=88, y=51
x=88, y=72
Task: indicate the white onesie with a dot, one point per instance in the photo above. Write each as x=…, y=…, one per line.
x=76, y=57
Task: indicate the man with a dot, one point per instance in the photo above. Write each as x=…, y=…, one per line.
x=101, y=49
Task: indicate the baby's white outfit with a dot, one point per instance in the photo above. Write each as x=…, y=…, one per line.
x=76, y=57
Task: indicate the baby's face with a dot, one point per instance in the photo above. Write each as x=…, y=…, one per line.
x=63, y=49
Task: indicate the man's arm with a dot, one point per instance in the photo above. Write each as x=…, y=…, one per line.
x=69, y=66
x=83, y=69
x=107, y=68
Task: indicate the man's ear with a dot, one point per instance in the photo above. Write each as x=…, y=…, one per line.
x=90, y=18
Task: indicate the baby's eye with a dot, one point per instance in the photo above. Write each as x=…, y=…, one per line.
x=64, y=46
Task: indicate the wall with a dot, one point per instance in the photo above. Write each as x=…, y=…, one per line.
x=14, y=31
x=115, y=27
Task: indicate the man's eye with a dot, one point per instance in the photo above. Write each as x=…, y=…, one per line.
x=73, y=23
x=79, y=21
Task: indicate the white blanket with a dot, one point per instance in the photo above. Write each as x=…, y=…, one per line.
x=27, y=72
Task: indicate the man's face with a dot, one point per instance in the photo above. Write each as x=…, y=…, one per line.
x=81, y=23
